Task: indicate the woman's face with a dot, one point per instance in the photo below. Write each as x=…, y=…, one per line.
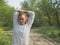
x=22, y=19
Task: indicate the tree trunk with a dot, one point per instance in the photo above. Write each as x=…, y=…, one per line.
x=57, y=17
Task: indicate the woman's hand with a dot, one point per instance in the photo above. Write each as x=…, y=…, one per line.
x=22, y=11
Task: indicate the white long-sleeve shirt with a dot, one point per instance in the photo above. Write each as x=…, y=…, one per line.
x=21, y=32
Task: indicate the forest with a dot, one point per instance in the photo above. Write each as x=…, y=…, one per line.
x=47, y=12
x=47, y=18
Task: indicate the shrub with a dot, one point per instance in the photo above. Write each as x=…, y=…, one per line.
x=1, y=30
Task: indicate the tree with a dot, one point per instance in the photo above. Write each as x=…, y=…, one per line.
x=45, y=12
x=55, y=10
x=6, y=15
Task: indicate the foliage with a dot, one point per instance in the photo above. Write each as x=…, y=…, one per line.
x=6, y=15
x=5, y=39
x=1, y=30
x=47, y=11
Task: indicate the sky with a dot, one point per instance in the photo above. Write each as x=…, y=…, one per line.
x=14, y=3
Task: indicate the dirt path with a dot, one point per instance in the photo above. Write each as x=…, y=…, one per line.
x=39, y=39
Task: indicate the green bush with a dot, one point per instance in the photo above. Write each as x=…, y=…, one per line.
x=1, y=30
x=5, y=39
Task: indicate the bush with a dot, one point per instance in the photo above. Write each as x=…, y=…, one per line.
x=5, y=39
x=1, y=30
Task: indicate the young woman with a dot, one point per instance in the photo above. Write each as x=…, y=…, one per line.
x=22, y=22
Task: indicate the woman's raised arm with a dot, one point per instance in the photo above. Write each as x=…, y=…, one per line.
x=15, y=18
x=31, y=18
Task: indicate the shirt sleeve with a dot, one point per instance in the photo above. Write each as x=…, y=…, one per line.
x=31, y=18
x=15, y=18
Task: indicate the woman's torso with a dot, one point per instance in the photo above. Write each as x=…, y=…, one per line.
x=21, y=34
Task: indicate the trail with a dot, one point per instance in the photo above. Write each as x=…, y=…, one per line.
x=39, y=39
